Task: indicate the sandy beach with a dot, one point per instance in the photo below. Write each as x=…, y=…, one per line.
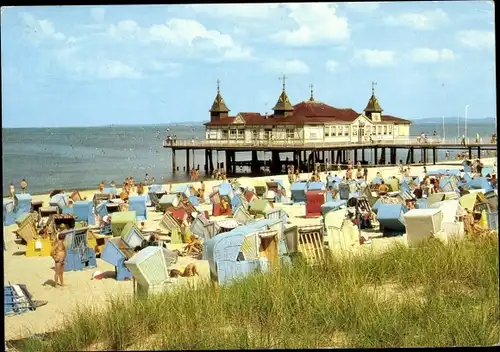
x=37, y=272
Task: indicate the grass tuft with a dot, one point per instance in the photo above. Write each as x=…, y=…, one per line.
x=436, y=295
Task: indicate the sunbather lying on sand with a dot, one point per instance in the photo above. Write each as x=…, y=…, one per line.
x=189, y=270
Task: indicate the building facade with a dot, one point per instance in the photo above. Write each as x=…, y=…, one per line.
x=309, y=121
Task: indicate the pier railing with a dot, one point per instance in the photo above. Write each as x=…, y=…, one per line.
x=410, y=141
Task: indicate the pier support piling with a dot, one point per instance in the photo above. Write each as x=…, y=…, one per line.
x=434, y=155
x=173, y=161
x=188, y=156
x=470, y=153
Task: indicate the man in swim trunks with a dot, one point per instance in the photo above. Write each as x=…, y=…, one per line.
x=59, y=255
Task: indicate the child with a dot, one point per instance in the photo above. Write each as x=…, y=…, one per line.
x=12, y=190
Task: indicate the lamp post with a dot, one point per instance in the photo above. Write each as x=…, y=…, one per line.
x=465, y=129
x=444, y=132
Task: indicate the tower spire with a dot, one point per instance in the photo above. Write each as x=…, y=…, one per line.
x=374, y=84
x=283, y=106
x=312, y=92
x=219, y=108
x=283, y=78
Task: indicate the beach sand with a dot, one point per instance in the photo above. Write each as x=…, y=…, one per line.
x=37, y=272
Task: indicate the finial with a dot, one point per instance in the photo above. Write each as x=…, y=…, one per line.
x=284, y=79
x=218, y=86
x=373, y=87
x=312, y=92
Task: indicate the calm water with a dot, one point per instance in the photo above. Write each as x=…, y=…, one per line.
x=79, y=158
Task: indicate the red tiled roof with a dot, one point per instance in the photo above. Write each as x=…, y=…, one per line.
x=389, y=118
x=305, y=113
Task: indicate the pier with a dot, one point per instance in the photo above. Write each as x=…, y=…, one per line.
x=308, y=154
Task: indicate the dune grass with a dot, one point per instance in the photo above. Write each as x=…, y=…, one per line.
x=438, y=295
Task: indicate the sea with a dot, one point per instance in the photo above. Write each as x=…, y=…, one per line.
x=79, y=158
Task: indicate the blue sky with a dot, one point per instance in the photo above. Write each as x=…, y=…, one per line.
x=85, y=65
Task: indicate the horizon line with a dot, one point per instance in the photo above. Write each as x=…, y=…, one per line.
x=202, y=122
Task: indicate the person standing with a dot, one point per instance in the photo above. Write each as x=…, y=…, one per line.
x=24, y=185
x=59, y=255
x=12, y=190
x=146, y=179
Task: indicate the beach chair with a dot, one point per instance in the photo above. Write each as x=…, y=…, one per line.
x=316, y=186
x=278, y=214
x=481, y=183
x=100, y=197
x=341, y=233
x=260, y=188
x=18, y=300
x=133, y=236
x=9, y=215
x=242, y=215
x=347, y=189
x=120, y=220
x=391, y=218
x=116, y=252
x=22, y=204
x=260, y=207
x=307, y=241
x=422, y=203
x=332, y=206
x=422, y=224
x=314, y=201
x=434, y=198
x=250, y=196
x=168, y=223
x=182, y=190
x=138, y=204
x=79, y=255
x=168, y=201
x=112, y=191
x=149, y=268
x=298, y=192
x=83, y=210
x=237, y=201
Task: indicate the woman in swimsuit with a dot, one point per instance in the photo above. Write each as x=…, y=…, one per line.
x=59, y=255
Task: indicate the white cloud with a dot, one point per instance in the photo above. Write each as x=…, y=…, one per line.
x=375, y=58
x=426, y=20
x=40, y=29
x=98, y=13
x=188, y=35
x=99, y=68
x=236, y=11
x=287, y=67
x=431, y=55
x=362, y=7
x=477, y=39
x=316, y=23
x=331, y=65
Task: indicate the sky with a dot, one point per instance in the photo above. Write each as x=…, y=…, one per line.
x=154, y=64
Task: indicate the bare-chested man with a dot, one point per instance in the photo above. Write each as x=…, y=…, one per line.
x=59, y=255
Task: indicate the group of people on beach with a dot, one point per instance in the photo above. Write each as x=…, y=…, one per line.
x=12, y=188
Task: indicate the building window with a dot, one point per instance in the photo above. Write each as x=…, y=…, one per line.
x=290, y=133
x=241, y=134
x=379, y=130
x=334, y=131
x=354, y=130
x=346, y=130
x=255, y=134
x=389, y=129
x=268, y=134
x=232, y=134
x=385, y=130
x=327, y=131
x=340, y=130
x=225, y=134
